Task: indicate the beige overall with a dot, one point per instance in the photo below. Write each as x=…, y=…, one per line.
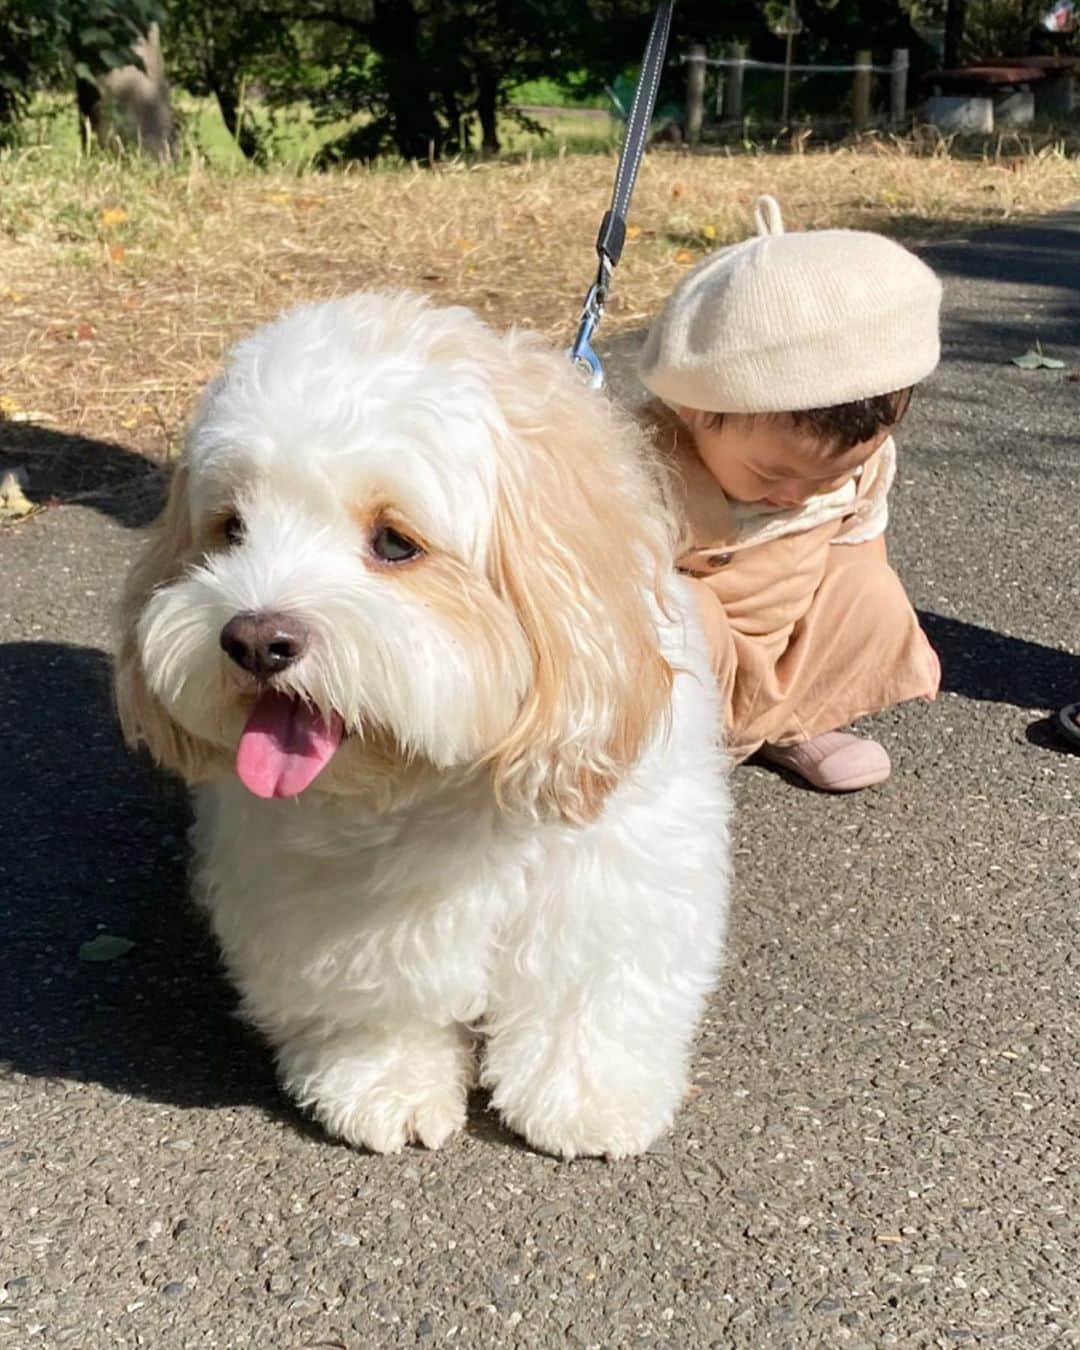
x=807, y=634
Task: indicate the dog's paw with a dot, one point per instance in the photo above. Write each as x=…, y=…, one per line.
x=591, y=1130
x=613, y=1110
x=384, y=1122
x=382, y=1091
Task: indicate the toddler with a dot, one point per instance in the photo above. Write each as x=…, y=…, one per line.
x=780, y=367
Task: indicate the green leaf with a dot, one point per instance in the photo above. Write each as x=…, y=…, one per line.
x=104, y=947
x=1034, y=360
x=96, y=37
x=83, y=71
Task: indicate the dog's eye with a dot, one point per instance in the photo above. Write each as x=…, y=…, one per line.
x=232, y=527
x=390, y=545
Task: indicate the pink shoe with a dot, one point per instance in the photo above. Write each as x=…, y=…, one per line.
x=836, y=761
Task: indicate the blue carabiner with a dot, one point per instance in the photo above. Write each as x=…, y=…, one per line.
x=581, y=353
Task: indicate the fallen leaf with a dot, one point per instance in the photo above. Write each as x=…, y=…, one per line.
x=14, y=503
x=84, y=332
x=632, y=231
x=117, y=253
x=113, y=215
x=10, y=411
x=105, y=947
x=1035, y=360
x=30, y=415
x=685, y=255
x=708, y=231
x=677, y=190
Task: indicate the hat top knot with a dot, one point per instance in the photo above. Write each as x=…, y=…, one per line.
x=767, y=217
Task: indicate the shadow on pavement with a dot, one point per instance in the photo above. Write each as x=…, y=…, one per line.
x=94, y=842
x=1036, y=253
x=994, y=341
x=978, y=663
x=62, y=467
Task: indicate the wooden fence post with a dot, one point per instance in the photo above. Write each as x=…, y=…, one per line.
x=785, y=103
x=733, y=91
x=898, y=87
x=695, y=92
x=861, y=91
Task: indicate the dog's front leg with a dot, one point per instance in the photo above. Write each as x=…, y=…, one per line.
x=591, y=1024
x=381, y=1087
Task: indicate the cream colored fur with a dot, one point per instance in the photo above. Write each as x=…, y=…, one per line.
x=516, y=863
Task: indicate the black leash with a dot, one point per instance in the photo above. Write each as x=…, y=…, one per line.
x=612, y=236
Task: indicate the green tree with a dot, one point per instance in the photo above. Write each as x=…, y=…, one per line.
x=422, y=69
x=996, y=28
x=28, y=50
x=45, y=41
x=221, y=48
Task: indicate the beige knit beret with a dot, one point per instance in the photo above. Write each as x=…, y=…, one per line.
x=783, y=322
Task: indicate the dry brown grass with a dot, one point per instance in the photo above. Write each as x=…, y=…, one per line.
x=120, y=286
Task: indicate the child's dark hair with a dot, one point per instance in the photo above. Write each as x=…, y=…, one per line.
x=844, y=425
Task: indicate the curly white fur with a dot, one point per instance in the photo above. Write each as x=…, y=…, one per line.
x=518, y=854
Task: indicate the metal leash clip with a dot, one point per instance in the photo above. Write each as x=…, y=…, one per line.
x=581, y=353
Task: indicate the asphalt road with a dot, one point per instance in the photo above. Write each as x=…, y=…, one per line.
x=884, y=1149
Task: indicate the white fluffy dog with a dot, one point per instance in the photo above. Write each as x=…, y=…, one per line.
x=409, y=619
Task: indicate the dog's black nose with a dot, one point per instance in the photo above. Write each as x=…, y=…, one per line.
x=264, y=644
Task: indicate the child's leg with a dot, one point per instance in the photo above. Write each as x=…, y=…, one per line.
x=859, y=649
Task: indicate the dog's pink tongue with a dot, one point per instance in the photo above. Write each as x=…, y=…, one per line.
x=285, y=746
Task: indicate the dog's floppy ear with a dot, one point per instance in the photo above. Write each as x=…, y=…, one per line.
x=581, y=542
x=143, y=719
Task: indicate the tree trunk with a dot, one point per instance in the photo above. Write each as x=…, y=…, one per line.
x=130, y=104
x=487, y=105
x=395, y=35
x=228, y=101
x=88, y=102
x=455, y=134
x=955, y=16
